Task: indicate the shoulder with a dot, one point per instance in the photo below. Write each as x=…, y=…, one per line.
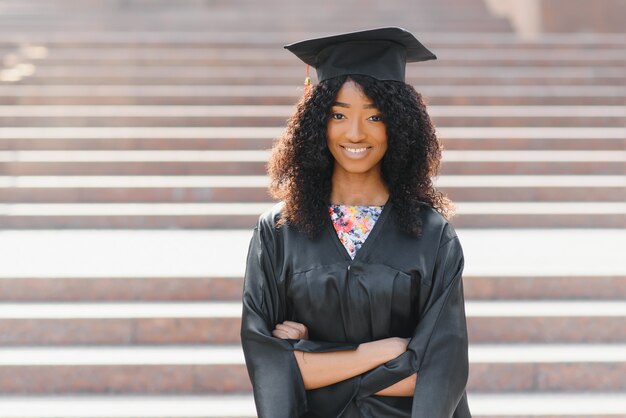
x=449, y=249
x=266, y=225
x=268, y=219
x=436, y=226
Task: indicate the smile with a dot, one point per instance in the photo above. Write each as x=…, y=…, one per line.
x=356, y=150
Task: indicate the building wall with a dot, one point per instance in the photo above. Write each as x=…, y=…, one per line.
x=530, y=18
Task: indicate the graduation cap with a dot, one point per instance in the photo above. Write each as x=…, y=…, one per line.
x=381, y=53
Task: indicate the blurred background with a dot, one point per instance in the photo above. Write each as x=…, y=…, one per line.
x=133, y=142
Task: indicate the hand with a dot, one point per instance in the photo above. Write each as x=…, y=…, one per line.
x=291, y=330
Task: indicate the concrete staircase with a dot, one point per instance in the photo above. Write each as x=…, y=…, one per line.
x=133, y=137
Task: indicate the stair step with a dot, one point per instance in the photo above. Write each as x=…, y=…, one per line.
x=199, y=121
x=254, y=209
x=569, y=405
x=117, y=289
x=607, y=94
x=541, y=288
x=253, y=162
x=262, y=156
x=221, y=253
x=135, y=310
x=229, y=75
x=527, y=99
x=140, y=143
x=173, y=369
x=234, y=23
x=284, y=91
x=201, y=222
x=219, y=322
x=484, y=57
x=453, y=72
x=263, y=55
x=172, y=289
x=166, y=165
x=448, y=71
x=106, y=37
x=274, y=115
x=543, y=88
x=554, y=92
x=482, y=405
x=236, y=182
x=163, y=331
x=255, y=133
x=284, y=111
x=233, y=355
x=193, y=194
x=55, y=60
x=244, y=215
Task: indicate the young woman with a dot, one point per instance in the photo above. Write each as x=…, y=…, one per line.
x=353, y=299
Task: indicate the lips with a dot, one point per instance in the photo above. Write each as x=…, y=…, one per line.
x=355, y=152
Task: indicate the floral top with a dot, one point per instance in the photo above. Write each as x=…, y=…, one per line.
x=353, y=223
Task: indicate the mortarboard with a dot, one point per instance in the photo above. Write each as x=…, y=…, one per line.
x=381, y=53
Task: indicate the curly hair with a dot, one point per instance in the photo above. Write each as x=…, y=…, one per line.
x=301, y=165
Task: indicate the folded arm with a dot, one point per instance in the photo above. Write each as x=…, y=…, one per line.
x=324, y=369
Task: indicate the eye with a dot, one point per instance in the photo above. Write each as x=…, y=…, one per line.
x=376, y=118
x=336, y=115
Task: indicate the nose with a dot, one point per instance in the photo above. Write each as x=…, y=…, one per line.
x=355, y=131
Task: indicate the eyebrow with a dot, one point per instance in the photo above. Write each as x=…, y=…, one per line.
x=367, y=106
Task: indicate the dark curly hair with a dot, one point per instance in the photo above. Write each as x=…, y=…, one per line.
x=301, y=165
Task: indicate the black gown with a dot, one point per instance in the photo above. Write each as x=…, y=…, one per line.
x=396, y=286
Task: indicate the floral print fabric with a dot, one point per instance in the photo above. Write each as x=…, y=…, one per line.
x=353, y=224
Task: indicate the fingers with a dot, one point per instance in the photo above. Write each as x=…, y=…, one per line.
x=300, y=327
x=290, y=330
x=284, y=332
x=280, y=334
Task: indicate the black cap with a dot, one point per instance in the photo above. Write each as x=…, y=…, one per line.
x=381, y=53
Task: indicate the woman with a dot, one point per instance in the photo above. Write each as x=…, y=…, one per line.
x=353, y=299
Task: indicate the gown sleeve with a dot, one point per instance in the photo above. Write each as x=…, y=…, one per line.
x=276, y=380
x=277, y=383
x=438, y=349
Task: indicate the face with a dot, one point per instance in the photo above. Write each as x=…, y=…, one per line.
x=356, y=135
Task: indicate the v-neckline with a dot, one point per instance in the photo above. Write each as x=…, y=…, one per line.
x=370, y=237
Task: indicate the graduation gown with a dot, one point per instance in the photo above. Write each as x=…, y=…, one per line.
x=396, y=286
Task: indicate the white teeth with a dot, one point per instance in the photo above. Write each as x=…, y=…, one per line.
x=355, y=150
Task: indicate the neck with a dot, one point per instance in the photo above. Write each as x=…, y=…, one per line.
x=358, y=188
